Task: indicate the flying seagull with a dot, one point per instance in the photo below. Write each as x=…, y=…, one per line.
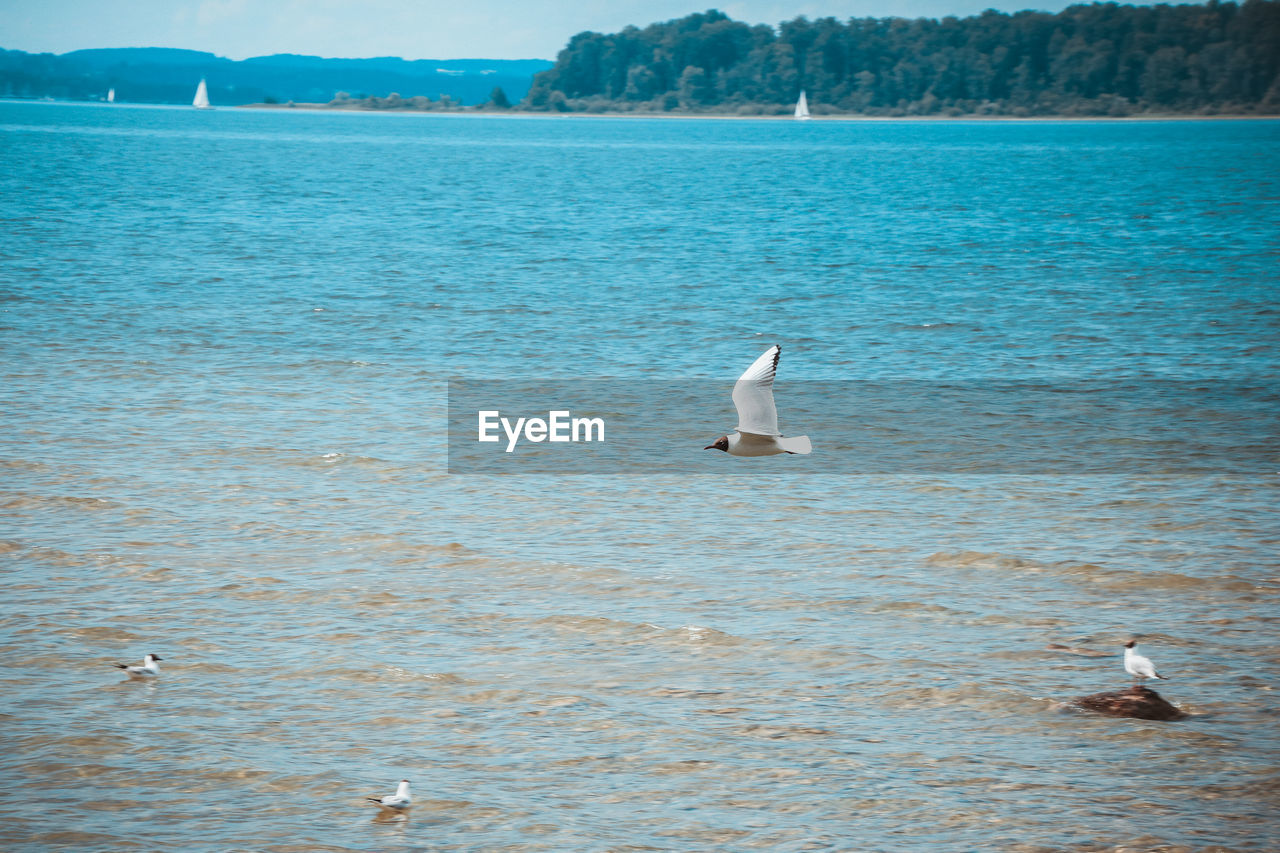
x=399, y=800
x=1138, y=666
x=147, y=670
x=757, y=431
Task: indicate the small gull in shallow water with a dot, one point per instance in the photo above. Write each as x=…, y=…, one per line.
x=757, y=431
x=147, y=670
x=1138, y=666
x=399, y=800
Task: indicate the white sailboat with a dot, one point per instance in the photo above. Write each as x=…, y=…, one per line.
x=802, y=107
x=201, y=101
x=111, y=96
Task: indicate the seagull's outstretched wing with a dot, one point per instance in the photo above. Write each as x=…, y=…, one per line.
x=753, y=395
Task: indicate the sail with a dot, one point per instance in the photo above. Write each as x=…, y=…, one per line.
x=802, y=106
x=202, y=97
x=111, y=96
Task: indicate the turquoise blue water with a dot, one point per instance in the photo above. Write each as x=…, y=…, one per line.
x=227, y=342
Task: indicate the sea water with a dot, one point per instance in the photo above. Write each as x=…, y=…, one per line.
x=230, y=341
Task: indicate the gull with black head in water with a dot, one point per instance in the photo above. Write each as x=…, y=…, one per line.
x=757, y=431
x=147, y=670
x=399, y=800
x=1138, y=666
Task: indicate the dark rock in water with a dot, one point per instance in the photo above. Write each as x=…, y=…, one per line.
x=1139, y=702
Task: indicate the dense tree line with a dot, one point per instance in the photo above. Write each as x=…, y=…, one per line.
x=498, y=100
x=1099, y=59
x=419, y=103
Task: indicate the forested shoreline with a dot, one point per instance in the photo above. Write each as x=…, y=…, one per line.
x=1102, y=59
x=1088, y=60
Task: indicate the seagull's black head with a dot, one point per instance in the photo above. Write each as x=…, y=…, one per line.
x=1130, y=644
x=722, y=443
x=156, y=657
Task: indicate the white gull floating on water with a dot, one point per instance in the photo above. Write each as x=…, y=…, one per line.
x=147, y=670
x=757, y=431
x=399, y=800
x=1138, y=666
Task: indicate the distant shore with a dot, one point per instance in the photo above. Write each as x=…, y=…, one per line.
x=472, y=111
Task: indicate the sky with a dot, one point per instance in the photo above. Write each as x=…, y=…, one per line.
x=412, y=29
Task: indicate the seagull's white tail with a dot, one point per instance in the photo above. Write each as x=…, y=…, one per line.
x=798, y=444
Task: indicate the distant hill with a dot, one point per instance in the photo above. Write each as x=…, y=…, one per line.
x=155, y=75
x=1099, y=59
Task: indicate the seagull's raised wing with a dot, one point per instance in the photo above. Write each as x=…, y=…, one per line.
x=753, y=395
